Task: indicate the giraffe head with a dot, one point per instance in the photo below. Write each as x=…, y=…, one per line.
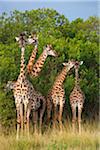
x=70, y=64
x=77, y=64
x=21, y=39
x=33, y=39
x=49, y=50
x=10, y=85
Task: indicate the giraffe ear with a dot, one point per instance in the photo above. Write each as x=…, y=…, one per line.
x=17, y=39
x=81, y=62
x=64, y=64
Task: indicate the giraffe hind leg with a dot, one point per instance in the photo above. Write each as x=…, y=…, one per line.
x=42, y=110
x=35, y=121
x=49, y=108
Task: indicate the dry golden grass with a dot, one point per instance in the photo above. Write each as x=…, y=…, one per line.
x=54, y=140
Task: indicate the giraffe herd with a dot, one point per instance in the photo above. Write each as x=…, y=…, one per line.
x=27, y=99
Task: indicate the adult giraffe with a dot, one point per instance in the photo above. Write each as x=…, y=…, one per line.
x=23, y=92
x=35, y=68
x=56, y=95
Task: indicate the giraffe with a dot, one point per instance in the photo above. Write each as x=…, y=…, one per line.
x=39, y=110
x=56, y=95
x=34, y=70
x=23, y=92
x=11, y=85
x=30, y=99
x=77, y=98
x=33, y=39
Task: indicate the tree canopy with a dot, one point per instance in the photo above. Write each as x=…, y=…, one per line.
x=78, y=39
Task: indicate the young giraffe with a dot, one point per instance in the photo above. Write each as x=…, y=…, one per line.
x=77, y=98
x=56, y=94
x=23, y=91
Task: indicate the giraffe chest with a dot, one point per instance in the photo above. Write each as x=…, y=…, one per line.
x=57, y=96
x=76, y=96
x=22, y=93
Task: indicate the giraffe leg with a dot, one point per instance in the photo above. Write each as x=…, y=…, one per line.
x=25, y=118
x=55, y=113
x=41, y=115
x=18, y=121
x=60, y=115
x=35, y=120
x=73, y=117
x=28, y=119
x=79, y=117
x=21, y=117
x=49, y=107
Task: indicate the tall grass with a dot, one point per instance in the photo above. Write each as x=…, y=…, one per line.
x=53, y=139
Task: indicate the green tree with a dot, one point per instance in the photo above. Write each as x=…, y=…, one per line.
x=78, y=40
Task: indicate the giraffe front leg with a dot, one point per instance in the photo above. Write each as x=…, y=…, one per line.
x=55, y=113
x=21, y=118
x=25, y=118
x=18, y=121
x=73, y=117
x=60, y=115
x=79, y=116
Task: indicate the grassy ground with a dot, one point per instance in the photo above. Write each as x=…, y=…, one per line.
x=54, y=140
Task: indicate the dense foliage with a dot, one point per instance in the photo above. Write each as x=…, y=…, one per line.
x=78, y=39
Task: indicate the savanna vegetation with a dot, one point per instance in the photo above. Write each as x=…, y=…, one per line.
x=54, y=140
x=79, y=40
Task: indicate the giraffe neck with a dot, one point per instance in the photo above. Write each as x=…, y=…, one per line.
x=39, y=64
x=76, y=77
x=22, y=65
x=61, y=77
x=32, y=59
